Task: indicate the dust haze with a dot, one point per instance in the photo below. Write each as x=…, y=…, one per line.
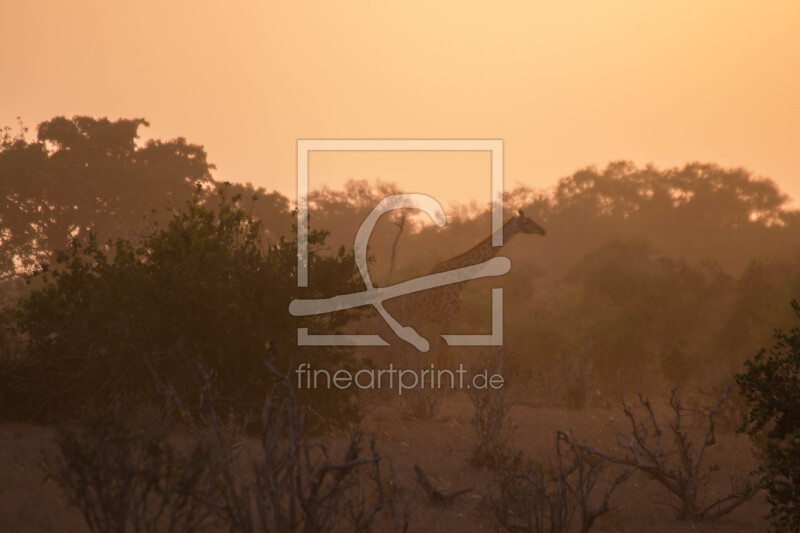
x=148, y=355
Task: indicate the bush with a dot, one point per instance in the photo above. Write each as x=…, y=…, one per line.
x=537, y=498
x=771, y=387
x=108, y=318
x=492, y=421
x=126, y=480
x=676, y=459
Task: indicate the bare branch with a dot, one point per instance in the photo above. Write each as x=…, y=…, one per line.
x=678, y=468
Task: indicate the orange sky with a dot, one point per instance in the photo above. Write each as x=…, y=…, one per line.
x=565, y=84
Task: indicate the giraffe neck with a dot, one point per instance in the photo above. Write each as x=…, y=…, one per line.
x=481, y=251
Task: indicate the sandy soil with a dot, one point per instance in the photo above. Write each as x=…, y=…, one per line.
x=441, y=446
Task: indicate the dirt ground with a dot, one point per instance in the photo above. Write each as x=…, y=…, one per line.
x=441, y=446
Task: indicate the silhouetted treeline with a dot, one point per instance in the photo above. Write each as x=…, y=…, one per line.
x=84, y=174
x=662, y=275
x=647, y=277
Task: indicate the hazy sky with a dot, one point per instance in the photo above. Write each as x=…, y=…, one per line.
x=565, y=84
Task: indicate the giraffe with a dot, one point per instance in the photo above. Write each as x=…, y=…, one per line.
x=439, y=306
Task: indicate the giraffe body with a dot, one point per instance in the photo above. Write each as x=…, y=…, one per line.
x=437, y=308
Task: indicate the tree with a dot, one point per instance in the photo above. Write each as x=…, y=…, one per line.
x=121, y=324
x=697, y=212
x=758, y=307
x=655, y=307
x=771, y=386
x=85, y=174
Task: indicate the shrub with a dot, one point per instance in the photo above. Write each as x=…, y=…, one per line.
x=771, y=387
x=106, y=318
x=538, y=498
x=123, y=479
x=492, y=421
x=675, y=458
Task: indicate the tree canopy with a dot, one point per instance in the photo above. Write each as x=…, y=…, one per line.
x=85, y=174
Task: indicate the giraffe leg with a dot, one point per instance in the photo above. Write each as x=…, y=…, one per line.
x=443, y=351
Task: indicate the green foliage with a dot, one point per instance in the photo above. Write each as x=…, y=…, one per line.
x=121, y=324
x=771, y=386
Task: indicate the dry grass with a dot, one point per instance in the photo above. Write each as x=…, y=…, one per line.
x=441, y=446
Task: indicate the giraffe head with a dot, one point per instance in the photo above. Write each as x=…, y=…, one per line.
x=526, y=225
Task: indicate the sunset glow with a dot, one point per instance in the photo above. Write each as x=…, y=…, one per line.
x=565, y=85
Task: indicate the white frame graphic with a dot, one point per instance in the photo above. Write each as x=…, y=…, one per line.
x=305, y=146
